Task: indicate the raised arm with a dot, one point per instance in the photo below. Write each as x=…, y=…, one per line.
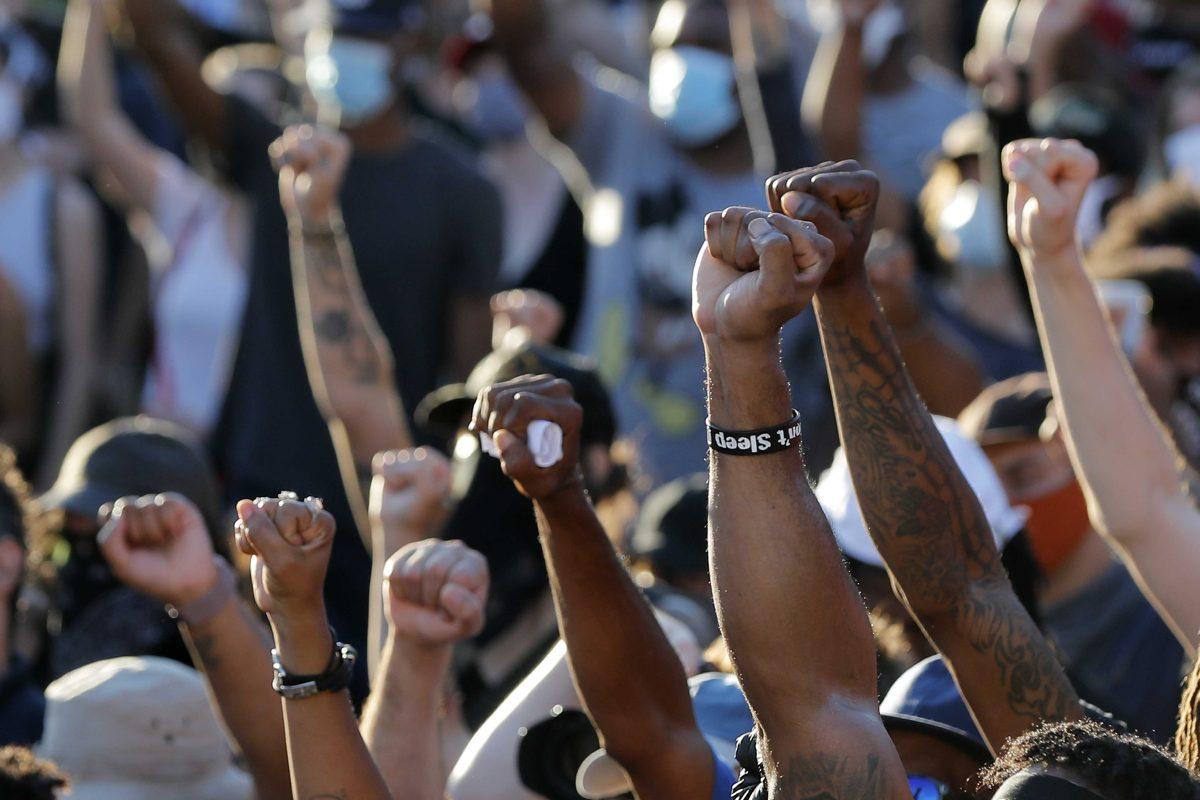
x=540, y=59
x=1126, y=460
x=435, y=593
x=88, y=95
x=795, y=625
x=631, y=682
x=920, y=510
x=158, y=546
x=836, y=88
x=289, y=544
x=348, y=359
x=163, y=35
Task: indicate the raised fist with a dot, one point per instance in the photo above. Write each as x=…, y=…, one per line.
x=755, y=272
x=892, y=268
x=435, y=592
x=535, y=314
x=311, y=163
x=289, y=543
x=408, y=494
x=1047, y=181
x=504, y=411
x=159, y=546
x=840, y=199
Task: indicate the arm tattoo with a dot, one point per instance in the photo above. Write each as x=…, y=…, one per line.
x=334, y=306
x=826, y=776
x=205, y=650
x=926, y=520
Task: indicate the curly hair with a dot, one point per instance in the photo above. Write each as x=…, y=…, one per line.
x=1187, y=732
x=15, y=493
x=1129, y=767
x=23, y=776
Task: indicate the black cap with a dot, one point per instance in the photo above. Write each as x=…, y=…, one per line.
x=444, y=411
x=926, y=699
x=672, y=529
x=1016, y=410
x=132, y=456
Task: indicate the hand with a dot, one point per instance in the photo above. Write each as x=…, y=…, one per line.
x=1041, y=26
x=755, y=272
x=536, y=314
x=408, y=494
x=1048, y=179
x=892, y=268
x=289, y=544
x=840, y=199
x=311, y=163
x=159, y=546
x=504, y=411
x=435, y=592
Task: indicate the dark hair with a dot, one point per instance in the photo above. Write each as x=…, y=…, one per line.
x=1165, y=215
x=24, y=776
x=1127, y=766
x=1169, y=275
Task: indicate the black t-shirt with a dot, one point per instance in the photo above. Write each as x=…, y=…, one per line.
x=426, y=227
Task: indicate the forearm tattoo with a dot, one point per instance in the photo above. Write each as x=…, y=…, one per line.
x=926, y=521
x=336, y=319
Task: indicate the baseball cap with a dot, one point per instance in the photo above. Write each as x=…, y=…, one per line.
x=836, y=493
x=132, y=456
x=926, y=699
x=722, y=715
x=445, y=410
x=672, y=528
x=1015, y=410
x=139, y=728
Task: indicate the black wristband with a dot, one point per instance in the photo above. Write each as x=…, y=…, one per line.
x=336, y=677
x=761, y=442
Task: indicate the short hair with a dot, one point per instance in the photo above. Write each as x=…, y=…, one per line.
x=1165, y=215
x=24, y=776
x=1128, y=766
x=1169, y=275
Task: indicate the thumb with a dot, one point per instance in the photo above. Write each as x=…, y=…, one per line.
x=261, y=533
x=515, y=457
x=1025, y=173
x=462, y=606
x=775, y=259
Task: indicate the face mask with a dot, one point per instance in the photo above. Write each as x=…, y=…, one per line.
x=350, y=78
x=885, y=24
x=499, y=112
x=1182, y=152
x=1058, y=523
x=11, y=114
x=692, y=92
x=971, y=231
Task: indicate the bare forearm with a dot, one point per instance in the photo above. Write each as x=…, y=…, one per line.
x=85, y=69
x=944, y=371
x=233, y=651
x=929, y=526
x=628, y=676
x=833, y=96
x=400, y=721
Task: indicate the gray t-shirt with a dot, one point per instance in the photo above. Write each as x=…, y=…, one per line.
x=645, y=225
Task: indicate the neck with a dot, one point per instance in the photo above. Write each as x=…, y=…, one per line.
x=729, y=155
x=892, y=74
x=382, y=134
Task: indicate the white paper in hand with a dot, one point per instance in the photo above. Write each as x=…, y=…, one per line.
x=545, y=441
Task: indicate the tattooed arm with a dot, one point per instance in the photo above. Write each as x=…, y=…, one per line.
x=348, y=358
x=159, y=546
x=796, y=627
x=920, y=510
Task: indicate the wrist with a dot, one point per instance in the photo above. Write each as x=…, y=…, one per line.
x=305, y=643
x=568, y=499
x=1062, y=265
x=747, y=388
x=318, y=224
x=413, y=660
x=206, y=582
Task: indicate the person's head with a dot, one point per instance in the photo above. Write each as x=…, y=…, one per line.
x=139, y=729
x=484, y=100
x=670, y=539
x=24, y=776
x=1015, y=423
x=692, y=82
x=1085, y=759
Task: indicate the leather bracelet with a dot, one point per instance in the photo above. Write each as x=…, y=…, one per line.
x=761, y=442
x=203, y=609
x=336, y=677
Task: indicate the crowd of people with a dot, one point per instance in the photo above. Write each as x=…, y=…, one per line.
x=591, y=399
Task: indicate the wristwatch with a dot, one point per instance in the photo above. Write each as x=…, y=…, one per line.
x=335, y=678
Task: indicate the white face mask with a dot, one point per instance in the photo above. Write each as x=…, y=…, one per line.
x=11, y=111
x=1182, y=152
x=971, y=231
x=882, y=28
x=692, y=92
x=351, y=79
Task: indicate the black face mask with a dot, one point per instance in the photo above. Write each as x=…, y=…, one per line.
x=1042, y=787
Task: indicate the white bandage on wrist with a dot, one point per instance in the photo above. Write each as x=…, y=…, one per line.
x=544, y=439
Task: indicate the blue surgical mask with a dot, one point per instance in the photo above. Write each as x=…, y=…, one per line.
x=970, y=230
x=692, y=92
x=351, y=79
x=498, y=112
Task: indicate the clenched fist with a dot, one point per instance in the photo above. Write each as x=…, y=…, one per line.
x=159, y=546
x=840, y=199
x=536, y=315
x=311, y=162
x=435, y=592
x=755, y=272
x=504, y=411
x=408, y=494
x=289, y=543
x=1047, y=181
